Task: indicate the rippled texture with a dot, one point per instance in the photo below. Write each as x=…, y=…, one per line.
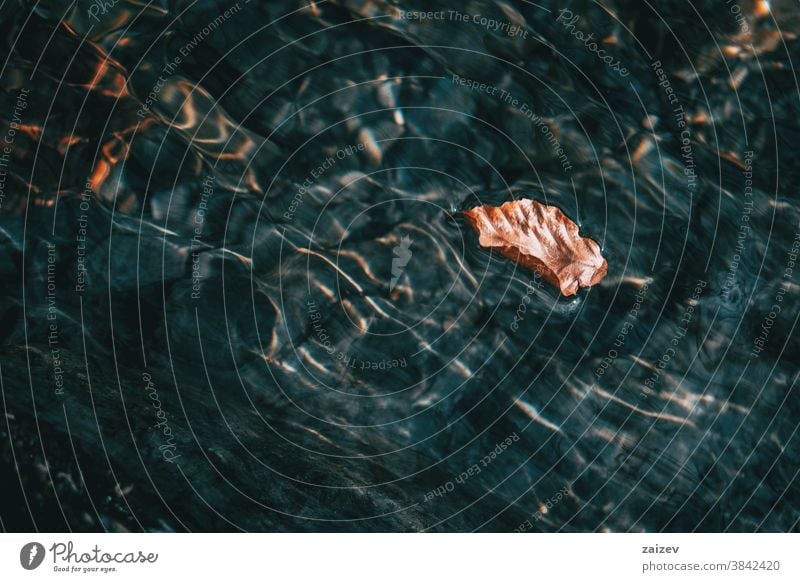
x=238, y=293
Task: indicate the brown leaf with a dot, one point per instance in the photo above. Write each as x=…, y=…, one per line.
x=542, y=238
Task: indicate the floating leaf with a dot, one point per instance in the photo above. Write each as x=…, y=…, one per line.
x=542, y=238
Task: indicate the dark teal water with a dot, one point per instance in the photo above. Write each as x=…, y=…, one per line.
x=237, y=293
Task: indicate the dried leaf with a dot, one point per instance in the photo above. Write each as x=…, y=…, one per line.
x=542, y=238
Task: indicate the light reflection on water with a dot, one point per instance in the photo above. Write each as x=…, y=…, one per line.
x=262, y=200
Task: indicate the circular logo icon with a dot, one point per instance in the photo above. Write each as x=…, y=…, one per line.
x=31, y=555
